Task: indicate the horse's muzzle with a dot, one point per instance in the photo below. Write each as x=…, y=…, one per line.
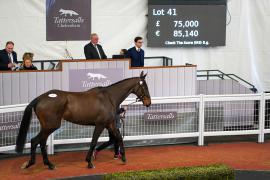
x=146, y=101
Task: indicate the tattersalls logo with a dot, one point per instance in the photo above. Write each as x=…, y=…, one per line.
x=68, y=20
x=98, y=76
x=85, y=79
x=9, y=126
x=67, y=12
x=94, y=80
x=156, y=116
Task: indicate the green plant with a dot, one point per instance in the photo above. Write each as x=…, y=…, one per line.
x=212, y=172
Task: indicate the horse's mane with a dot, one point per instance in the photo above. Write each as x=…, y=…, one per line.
x=121, y=81
x=101, y=87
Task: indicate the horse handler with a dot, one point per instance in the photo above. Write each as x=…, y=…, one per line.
x=120, y=114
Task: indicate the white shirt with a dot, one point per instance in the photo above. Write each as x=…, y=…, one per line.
x=95, y=45
x=137, y=49
x=11, y=57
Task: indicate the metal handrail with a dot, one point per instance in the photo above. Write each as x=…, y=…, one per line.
x=167, y=61
x=222, y=76
x=42, y=62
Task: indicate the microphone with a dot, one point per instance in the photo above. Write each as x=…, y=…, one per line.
x=68, y=54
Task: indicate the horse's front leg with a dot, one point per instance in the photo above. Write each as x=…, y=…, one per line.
x=98, y=130
x=119, y=140
x=121, y=144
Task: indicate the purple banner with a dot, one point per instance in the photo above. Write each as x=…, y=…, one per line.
x=85, y=79
x=68, y=20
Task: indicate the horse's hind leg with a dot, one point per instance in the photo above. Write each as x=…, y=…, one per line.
x=44, y=136
x=34, y=142
x=98, y=130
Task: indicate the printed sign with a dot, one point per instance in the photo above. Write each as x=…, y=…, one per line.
x=10, y=126
x=154, y=116
x=68, y=20
x=85, y=79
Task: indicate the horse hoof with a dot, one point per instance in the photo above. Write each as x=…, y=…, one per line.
x=51, y=167
x=94, y=156
x=91, y=166
x=124, y=160
x=25, y=165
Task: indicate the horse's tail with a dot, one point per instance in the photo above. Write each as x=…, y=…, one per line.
x=27, y=115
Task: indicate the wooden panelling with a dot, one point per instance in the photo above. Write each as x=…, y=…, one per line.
x=226, y=86
x=15, y=92
x=1, y=89
x=22, y=87
x=7, y=86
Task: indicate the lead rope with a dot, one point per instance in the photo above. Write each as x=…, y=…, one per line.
x=137, y=100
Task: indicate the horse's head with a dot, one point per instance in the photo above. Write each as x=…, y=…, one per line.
x=141, y=91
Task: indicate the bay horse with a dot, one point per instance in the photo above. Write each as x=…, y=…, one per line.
x=96, y=107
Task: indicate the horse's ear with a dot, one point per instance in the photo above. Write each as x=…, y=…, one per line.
x=142, y=76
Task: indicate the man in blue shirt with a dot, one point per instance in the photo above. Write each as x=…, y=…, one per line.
x=136, y=53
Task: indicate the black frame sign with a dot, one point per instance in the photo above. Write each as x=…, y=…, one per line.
x=68, y=20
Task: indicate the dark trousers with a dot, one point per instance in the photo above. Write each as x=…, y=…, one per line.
x=111, y=141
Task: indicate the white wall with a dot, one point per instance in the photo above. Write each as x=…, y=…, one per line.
x=117, y=22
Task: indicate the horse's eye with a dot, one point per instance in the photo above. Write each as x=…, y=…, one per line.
x=141, y=82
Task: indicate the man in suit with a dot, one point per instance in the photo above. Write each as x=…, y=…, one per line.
x=93, y=50
x=136, y=53
x=8, y=57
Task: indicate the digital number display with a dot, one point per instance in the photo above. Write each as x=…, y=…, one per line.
x=186, y=25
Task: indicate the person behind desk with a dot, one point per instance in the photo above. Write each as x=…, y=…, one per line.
x=136, y=53
x=123, y=54
x=8, y=57
x=93, y=50
x=27, y=62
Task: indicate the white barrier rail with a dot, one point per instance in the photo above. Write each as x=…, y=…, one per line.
x=197, y=116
